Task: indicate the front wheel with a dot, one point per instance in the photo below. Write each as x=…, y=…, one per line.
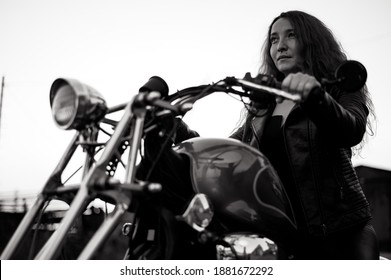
x=154, y=236
x=158, y=235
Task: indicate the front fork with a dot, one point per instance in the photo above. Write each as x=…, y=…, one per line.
x=94, y=183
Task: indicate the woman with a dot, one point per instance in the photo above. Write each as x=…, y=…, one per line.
x=310, y=143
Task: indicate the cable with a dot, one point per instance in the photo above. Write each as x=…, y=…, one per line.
x=32, y=248
x=163, y=146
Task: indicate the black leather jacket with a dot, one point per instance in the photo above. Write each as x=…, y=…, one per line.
x=318, y=137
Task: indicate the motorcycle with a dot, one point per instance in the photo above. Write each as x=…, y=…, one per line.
x=195, y=198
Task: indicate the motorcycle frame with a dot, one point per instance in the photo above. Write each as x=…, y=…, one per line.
x=90, y=187
x=92, y=184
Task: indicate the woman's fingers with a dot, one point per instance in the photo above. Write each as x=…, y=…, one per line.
x=300, y=83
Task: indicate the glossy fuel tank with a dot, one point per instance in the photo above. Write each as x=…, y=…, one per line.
x=244, y=188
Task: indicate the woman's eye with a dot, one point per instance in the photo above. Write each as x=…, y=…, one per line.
x=273, y=40
x=292, y=35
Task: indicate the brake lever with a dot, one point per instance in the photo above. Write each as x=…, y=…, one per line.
x=270, y=90
x=260, y=84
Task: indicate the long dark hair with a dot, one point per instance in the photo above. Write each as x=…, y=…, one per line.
x=322, y=53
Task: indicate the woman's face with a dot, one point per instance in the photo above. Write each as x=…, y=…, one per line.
x=285, y=49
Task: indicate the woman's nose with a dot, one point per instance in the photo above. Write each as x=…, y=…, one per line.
x=281, y=45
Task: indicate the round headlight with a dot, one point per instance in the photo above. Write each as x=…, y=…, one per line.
x=75, y=105
x=64, y=107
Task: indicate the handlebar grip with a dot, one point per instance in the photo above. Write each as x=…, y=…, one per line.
x=316, y=95
x=156, y=83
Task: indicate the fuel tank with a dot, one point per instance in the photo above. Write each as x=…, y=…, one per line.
x=244, y=188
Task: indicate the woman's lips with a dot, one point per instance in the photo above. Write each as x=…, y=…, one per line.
x=283, y=57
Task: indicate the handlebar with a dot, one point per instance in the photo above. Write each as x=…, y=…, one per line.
x=270, y=90
x=182, y=101
x=349, y=76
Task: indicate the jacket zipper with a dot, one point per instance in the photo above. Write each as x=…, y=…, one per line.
x=290, y=165
x=323, y=225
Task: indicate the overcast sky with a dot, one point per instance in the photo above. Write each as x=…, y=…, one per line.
x=117, y=45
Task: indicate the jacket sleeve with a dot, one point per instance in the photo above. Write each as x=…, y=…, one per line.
x=238, y=134
x=343, y=117
x=183, y=132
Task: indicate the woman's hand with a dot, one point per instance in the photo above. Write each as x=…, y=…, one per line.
x=300, y=83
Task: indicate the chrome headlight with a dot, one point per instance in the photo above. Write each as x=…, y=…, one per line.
x=75, y=105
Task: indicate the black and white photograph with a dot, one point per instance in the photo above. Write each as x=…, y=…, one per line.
x=195, y=138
